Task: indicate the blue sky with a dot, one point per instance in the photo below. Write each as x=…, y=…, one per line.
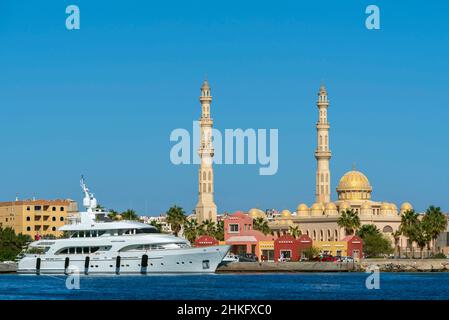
x=102, y=101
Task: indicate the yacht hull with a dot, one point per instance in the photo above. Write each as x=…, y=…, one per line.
x=186, y=260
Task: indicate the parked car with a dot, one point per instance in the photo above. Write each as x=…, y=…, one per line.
x=346, y=259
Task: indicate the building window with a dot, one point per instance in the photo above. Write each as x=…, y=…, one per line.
x=28, y=208
x=233, y=228
x=28, y=218
x=53, y=229
x=53, y=219
x=61, y=219
x=53, y=208
x=37, y=208
x=28, y=228
x=62, y=209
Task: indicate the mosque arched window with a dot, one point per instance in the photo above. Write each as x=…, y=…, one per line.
x=204, y=187
x=328, y=235
x=321, y=235
x=336, y=235
x=314, y=234
x=210, y=175
x=209, y=187
x=204, y=175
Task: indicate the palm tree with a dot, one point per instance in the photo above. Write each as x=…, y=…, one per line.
x=367, y=229
x=262, y=225
x=409, y=221
x=112, y=214
x=157, y=225
x=176, y=217
x=130, y=214
x=219, y=231
x=294, y=231
x=435, y=222
x=421, y=236
x=207, y=228
x=349, y=220
x=397, y=248
x=190, y=230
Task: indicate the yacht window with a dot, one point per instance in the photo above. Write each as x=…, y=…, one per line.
x=71, y=250
x=65, y=251
x=94, y=249
x=79, y=250
x=147, y=230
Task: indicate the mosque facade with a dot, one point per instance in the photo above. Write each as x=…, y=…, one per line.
x=319, y=220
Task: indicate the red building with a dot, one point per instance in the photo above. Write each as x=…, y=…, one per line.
x=289, y=248
x=354, y=246
x=205, y=241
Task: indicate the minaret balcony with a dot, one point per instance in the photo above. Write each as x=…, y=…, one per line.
x=322, y=154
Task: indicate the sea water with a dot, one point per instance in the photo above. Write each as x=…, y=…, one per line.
x=298, y=286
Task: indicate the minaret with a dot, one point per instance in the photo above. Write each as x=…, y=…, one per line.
x=206, y=208
x=322, y=153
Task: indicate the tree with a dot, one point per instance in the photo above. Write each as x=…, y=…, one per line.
x=409, y=220
x=113, y=214
x=207, y=228
x=219, y=231
x=130, y=214
x=294, y=231
x=397, y=238
x=349, y=220
x=420, y=235
x=176, y=217
x=190, y=230
x=311, y=253
x=435, y=222
x=262, y=225
x=11, y=244
x=157, y=225
x=367, y=229
x=376, y=244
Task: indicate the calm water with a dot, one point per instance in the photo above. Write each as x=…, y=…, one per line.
x=229, y=286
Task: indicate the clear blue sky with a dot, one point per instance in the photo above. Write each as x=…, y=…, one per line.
x=102, y=101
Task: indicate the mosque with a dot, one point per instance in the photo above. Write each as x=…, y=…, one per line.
x=319, y=221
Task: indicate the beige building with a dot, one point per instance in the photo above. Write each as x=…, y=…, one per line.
x=36, y=217
x=206, y=208
x=319, y=221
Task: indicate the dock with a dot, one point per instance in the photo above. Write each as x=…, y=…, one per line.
x=8, y=267
x=315, y=266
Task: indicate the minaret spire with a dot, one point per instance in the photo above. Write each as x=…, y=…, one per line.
x=206, y=208
x=322, y=153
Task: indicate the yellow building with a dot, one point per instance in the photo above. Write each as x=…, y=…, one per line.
x=36, y=217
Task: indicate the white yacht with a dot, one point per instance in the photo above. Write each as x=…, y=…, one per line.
x=92, y=245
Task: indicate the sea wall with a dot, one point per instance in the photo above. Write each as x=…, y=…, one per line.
x=8, y=267
x=249, y=267
x=406, y=265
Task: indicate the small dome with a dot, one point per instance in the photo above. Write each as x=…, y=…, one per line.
x=393, y=206
x=302, y=207
x=331, y=206
x=317, y=209
x=406, y=206
x=344, y=206
x=256, y=213
x=205, y=85
x=385, y=206
x=286, y=214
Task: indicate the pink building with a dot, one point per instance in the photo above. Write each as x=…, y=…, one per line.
x=238, y=232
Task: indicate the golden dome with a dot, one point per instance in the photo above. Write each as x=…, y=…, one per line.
x=354, y=180
x=317, y=208
x=286, y=214
x=406, y=206
x=302, y=207
x=393, y=206
x=331, y=206
x=256, y=213
x=344, y=205
x=354, y=185
x=385, y=206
